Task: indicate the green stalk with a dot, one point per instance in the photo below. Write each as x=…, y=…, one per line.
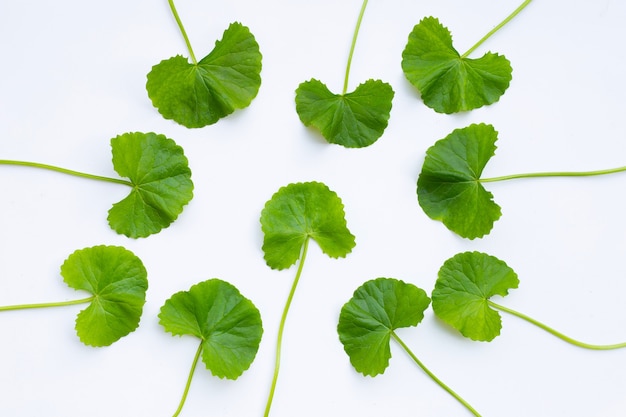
x=182, y=30
x=65, y=171
x=191, y=372
x=555, y=174
x=46, y=305
x=281, y=328
x=354, y=38
x=554, y=332
x=495, y=29
x=430, y=374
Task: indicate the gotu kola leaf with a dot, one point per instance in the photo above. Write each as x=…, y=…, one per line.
x=353, y=120
x=367, y=321
x=228, y=325
x=199, y=94
x=464, y=285
x=118, y=281
x=296, y=213
x=449, y=188
x=300, y=211
x=447, y=81
x=161, y=183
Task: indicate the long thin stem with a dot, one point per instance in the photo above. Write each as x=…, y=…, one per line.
x=354, y=38
x=555, y=174
x=65, y=171
x=495, y=29
x=430, y=374
x=46, y=305
x=182, y=30
x=189, y=378
x=554, y=332
x=281, y=327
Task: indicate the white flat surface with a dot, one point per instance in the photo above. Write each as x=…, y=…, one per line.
x=73, y=76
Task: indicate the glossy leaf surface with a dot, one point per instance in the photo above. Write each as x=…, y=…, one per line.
x=118, y=280
x=300, y=211
x=465, y=282
x=161, y=179
x=375, y=310
x=353, y=120
x=228, y=324
x=197, y=95
x=447, y=81
x=448, y=187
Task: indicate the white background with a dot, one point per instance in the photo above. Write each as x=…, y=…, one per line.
x=73, y=76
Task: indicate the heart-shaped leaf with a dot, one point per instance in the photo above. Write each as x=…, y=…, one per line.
x=227, y=323
x=118, y=281
x=161, y=178
x=300, y=211
x=366, y=322
x=448, y=188
x=197, y=95
x=464, y=284
x=353, y=120
x=447, y=81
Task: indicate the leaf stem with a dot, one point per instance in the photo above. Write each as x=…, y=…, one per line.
x=555, y=174
x=46, y=305
x=66, y=171
x=554, y=332
x=182, y=30
x=354, y=38
x=189, y=378
x=281, y=327
x=497, y=28
x=430, y=374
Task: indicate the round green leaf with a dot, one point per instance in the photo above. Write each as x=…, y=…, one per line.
x=161, y=178
x=447, y=81
x=465, y=283
x=448, y=187
x=300, y=211
x=376, y=309
x=228, y=324
x=197, y=95
x=353, y=120
x=118, y=281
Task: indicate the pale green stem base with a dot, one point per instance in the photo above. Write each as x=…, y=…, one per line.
x=430, y=374
x=281, y=328
x=65, y=171
x=554, y=332
x=182, y=30
x=497, y=28
x=189, y=378
x=47, y=305
x=556, y=174
x=353, y=45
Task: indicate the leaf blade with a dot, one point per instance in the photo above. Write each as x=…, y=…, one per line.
x=300, y=211
x=465, y=282
x=225, y=80
x=118, y=280
x=366, y=321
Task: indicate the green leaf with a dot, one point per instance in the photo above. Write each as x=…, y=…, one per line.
x=464, y=284
x=353, y=120
x=228, y=324
x=197, y=95
x=300, y=211
x=447, y=81
x=118, y=280
x=448, y=188
x=376, y=309
x=161, y=180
